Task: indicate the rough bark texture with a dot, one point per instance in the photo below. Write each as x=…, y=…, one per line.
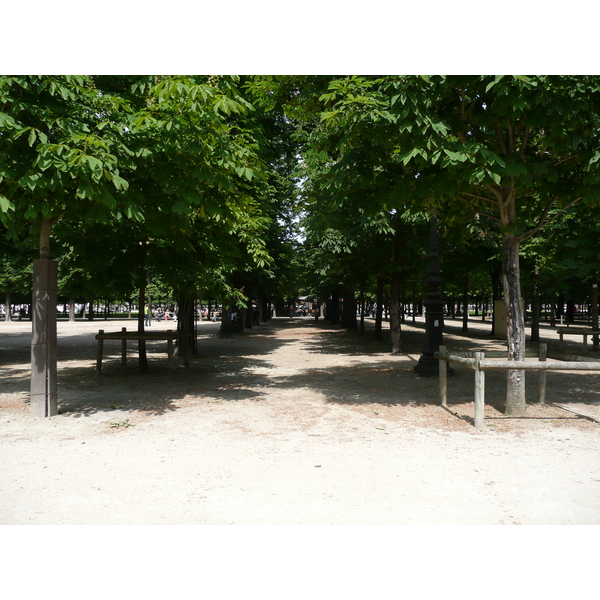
x=8, y=305
x=515, y=326
x=535, y=304
x=395, y=326
x=44, y=396
x=349, y=320
x=143, y=359
x=379, y=310
x=596, y=340
x=333, y=307
x=465, y=321
x=185, y=324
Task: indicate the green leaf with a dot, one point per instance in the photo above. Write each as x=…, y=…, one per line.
x=180, y=208
x=31, y=212
x=84, y=190
x=490, y=85
x=120, y=183
x=515, y=168
x=495, y=177
x=6, y=204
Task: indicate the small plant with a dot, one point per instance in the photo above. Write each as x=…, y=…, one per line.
x=124, y=423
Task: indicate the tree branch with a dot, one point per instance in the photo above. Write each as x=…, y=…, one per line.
x=477, y=210
x=496, y=193
x=544, y=220
x=525, y=141
x=501, y=139
x=562, y=160
x=489, y=200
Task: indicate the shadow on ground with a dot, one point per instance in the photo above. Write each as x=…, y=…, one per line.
x=239, y=368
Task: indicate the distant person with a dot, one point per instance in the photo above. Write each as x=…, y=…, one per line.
x=148, y=315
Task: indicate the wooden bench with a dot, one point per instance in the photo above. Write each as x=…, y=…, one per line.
x=125, y=335
x=562, y=331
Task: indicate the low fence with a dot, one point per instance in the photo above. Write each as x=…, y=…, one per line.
x=479, y=364
x=169, y=336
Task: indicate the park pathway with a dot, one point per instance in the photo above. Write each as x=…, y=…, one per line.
x=295, y=422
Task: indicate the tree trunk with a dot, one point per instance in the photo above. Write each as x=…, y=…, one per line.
x=515, y=326
x=595, y=339
x=395, y=326
x=8, y=305
x=43, y=400
x=495, y=274
x=247, y=319
x=226, y=329
x=535, y=303
x=465, y=318
x=143, y=281
x=333, y=308
x=143, y=358
x=349, y=320
x=362, y=311
x=185, y=324
x=379, y=310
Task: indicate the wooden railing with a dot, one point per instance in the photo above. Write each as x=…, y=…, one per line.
x=169, y=336
x=479, y=364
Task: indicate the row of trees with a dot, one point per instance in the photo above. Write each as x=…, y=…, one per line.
x=200, y=183
x=501, y=161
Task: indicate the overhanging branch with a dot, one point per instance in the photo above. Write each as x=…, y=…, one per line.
x=544, y=220
x=476, y=209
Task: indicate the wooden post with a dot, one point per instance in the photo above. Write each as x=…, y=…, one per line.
x=543, y=353
x=443, y=380
x=99, y=356
x=560, y=337
x=170, y=348
x=44, y=396
x=124, y=347
x=479, y=391
x=585, y=347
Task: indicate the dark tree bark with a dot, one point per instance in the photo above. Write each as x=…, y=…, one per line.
x=379, y=311
x=395, y=326
x=465, y=317
x=535, y=303
x=143, y=280
x=333, y=307
x=515, y=326
x=349, y=320
x=185, y=324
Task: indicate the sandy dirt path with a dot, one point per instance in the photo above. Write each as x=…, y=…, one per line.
x=293, y=422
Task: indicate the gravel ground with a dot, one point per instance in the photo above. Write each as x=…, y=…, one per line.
x=294, y=422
